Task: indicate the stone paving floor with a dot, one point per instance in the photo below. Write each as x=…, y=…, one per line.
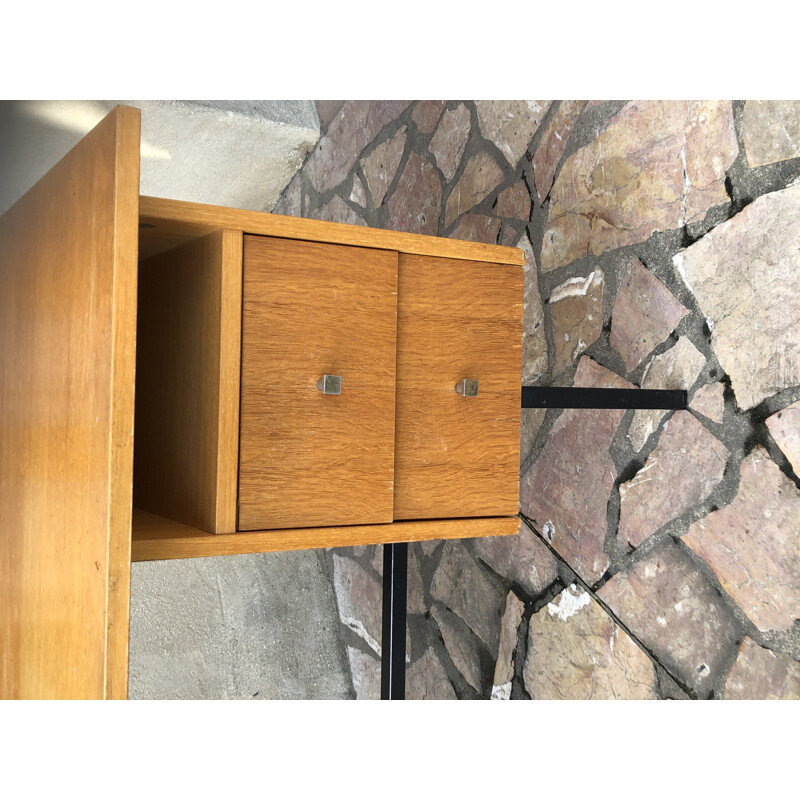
x=660, y=556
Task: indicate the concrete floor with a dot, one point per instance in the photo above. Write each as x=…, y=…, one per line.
x=236, y=627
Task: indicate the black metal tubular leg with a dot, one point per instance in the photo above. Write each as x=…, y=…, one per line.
x=579, y=397
x=393, y=634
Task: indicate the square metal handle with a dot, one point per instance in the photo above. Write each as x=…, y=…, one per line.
x=467, y=387
x=330, y=384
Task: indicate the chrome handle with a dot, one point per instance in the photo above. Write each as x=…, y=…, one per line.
x=467, y=387
x=330, y=384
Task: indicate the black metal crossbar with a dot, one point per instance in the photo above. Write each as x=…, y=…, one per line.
x=579, y=397
x=395, y=556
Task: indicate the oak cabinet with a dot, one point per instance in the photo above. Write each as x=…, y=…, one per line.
x=399, y=333
x=162, y=396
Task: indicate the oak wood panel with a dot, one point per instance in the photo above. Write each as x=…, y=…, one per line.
x=187, y=382
x=156, y=236
x=177, y=220
x=122, y=398
x=67, y=359
x=307, y=458
x=457, y=456
x=229, y=381
x=156, y=538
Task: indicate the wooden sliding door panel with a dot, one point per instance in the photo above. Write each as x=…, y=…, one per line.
x=456, y=455
x=187, y=382
x=67, y=360
x=308, y=458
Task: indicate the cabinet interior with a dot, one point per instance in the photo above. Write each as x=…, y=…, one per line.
x=187, y=382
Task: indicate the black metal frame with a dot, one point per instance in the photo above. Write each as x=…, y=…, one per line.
x=393, y=634
x=395, y=556
x=579, y=397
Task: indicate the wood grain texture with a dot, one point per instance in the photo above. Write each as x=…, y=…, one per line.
x=122, y=401
x=177, y=220
x=156, y=236
x=457, y=456
x=67, y=358
x=307, y=458
x=156, y=538
x=187, y=382
x=230, y=374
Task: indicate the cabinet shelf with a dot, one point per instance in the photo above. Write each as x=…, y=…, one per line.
x=169, y=223
x=157, y=538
